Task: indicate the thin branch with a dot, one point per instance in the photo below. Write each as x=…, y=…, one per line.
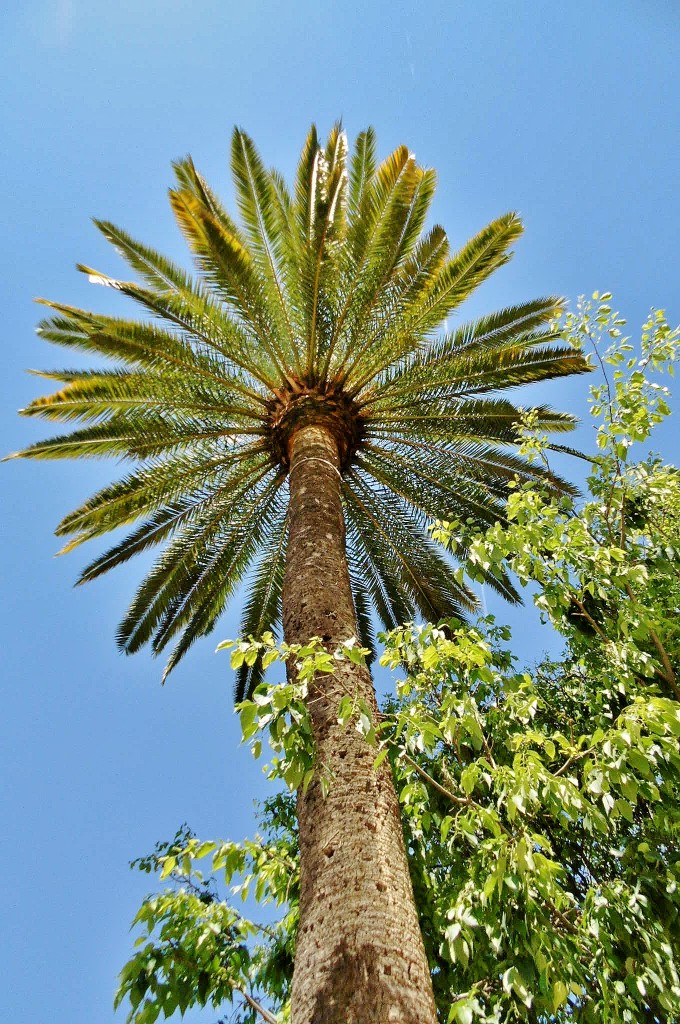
x=575, y=757
x=462, y=801
x=258, y=1007
x=585, y=615
x=564, y=921
x=668, y=674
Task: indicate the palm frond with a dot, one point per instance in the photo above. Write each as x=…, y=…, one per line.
x=286, y=245
x=97, y=395
x=336, y=153
x=452, y=494
x=317, y=266
x=162, y=482
x=385, y=341
x=477, y=372
x=262, y=607
x=362, y=605
x=254, y=194
x=189, y=180
x=138, y=437
x=196, y=512
x=140, y=344
x=438, y=488
x=401, y=549
x=361, y=172
x=223, y=536
x=393, y=244
x=503, y=327
x=367, y=230
x=229, y=267
x=195, y=612
x=495, y=419
x=157, y=270
x=382, y=589
x=469, y=268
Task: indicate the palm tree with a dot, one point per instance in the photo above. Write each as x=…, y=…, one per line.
x=293, y=417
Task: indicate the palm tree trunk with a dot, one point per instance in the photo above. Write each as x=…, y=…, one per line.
x=360, y=957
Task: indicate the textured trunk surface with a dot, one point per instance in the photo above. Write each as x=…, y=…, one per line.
x=360, y=956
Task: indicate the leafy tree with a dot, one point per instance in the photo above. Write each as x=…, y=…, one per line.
x=293, y=417
x=539, y=805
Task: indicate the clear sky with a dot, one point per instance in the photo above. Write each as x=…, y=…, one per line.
x=569, y=113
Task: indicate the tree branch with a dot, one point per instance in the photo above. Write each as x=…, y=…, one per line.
x=258, y=1007
x=464, y=801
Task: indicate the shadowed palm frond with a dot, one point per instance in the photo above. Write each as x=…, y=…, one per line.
x=262, y=608
x=393, y=534
x=201, y=566
x=362, y=607
x=162, y=482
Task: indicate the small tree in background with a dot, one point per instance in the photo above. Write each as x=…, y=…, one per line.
x=539, y=804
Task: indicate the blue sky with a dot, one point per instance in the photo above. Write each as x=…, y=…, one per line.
x=567, y=113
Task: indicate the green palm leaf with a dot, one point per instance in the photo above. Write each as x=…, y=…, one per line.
x=394, y=535
x=262, y=607
x=469, y=268
x=254, y=194
x=201, y=566
x=162, y=482
x=361, y=173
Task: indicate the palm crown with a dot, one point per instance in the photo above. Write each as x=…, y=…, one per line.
x=322, y=305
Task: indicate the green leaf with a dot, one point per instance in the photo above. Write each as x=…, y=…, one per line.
x=380, y=758
x=169, y=865
x=559, y=994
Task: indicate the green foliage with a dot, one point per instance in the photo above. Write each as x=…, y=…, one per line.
x=541, y=816
x=197, y=947
x=321, y=305
x=540, y=803
x=608, y=566
x=282, y=708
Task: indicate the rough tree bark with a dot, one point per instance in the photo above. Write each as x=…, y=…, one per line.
x=360, y=957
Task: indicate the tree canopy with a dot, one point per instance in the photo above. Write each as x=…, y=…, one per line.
x=323, y=302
